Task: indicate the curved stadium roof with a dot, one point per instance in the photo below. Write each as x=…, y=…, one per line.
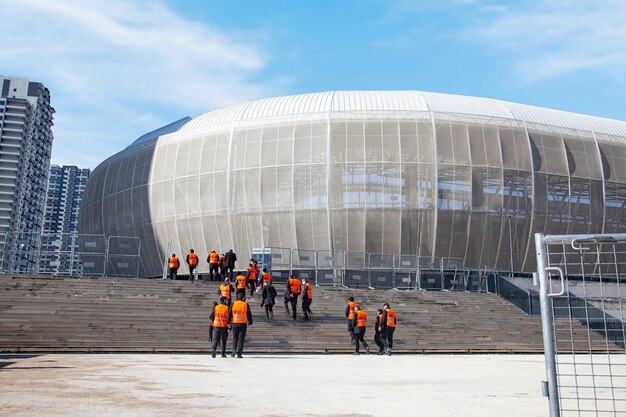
x=354, y=101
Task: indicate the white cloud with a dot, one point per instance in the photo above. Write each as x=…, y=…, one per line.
x=551, y=38
x=110, y=62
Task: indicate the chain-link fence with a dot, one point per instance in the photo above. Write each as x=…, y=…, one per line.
x=580, y=279
x=70, y=254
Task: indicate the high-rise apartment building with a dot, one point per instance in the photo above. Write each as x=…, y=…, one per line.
x=25, y=147
x=66, y=187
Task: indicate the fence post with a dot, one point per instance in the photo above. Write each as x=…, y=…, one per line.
x=73, y=239
x=106, y=256
x=546, y=325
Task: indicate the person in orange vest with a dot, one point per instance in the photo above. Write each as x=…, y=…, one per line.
x=219, y=319
x=350, y=317
x=269, y=299
x=359, y=323
x=173, y=265
x=241, y=284
x=239, y=317
x=226, y=290
x=214, y=260
x=293, y=286
x=211, y=323
x=377, y=339
x=251, y=277
x=307, y=299
x=192, y=261
x=223, y=265
x=387, y=328
x=266, y=278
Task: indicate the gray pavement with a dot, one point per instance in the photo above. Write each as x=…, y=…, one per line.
x=272, y=385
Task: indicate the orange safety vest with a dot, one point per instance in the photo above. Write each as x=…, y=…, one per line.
x=222, y=261
x=294, y=285
x=240, y=310
x=174, y=262
x=241, y=281
x=266, y=278
x=213, y=258
x=225, y=290
x=391, y=318
x=193, y=259
x=309, y=291
x=361, y=318
x=380, y=317
x=352, y=304
x=253, y=272
x=220, y=316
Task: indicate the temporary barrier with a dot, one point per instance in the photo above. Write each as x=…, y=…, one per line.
x=123, y=256
x=405, y=271
x=453, y=274
x=279, y=264
x=356, y=270
x=380, y=270
x=330, y=267
x=585, y=376
x=304, y=263
x=429, y=273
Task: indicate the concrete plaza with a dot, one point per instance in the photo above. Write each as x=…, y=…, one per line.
x=271, y=385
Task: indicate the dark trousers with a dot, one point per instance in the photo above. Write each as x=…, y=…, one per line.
x=269, y=311
x=379, y=342
x=359, y=334
x=229, y=269
x=239, y=291
x=239, y=334
x=294, y=304
x=173, y=273
x=251, y=286
x=191, y=269
x=306, y=308
x=287, y=301
x=387, y=337
x=351, y=331
x=212, y=270
x=220, y=336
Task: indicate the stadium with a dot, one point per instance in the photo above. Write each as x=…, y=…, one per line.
x=385, y=172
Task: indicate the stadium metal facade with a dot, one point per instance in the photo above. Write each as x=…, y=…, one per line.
x=393, y=172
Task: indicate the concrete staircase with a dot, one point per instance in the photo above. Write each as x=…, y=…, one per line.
x=55, y=314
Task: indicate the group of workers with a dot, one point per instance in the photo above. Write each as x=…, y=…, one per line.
x=219, y=265
x=236, y=316
x=383, y=329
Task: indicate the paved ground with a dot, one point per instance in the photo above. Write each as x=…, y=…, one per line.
x=272, y=385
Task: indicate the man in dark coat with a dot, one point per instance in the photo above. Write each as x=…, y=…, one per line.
x=231, y=258
x=269, y=299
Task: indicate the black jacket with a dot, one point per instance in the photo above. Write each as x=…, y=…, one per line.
x=269, y=295
x=231, y=258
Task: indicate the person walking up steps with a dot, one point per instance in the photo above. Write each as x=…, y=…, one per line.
x=307, y=299
x=377, y=339
x=219, y=319
x=241, y=284
x=192, y=261
x=387, y=328
x=226, y=290
x=359, y=323
x=269, y=299
x=251, y=277
x=173, y=265
x=293, y=285
x=213, y=259
x=239, y=317
x=231, y=258
x=350, y=316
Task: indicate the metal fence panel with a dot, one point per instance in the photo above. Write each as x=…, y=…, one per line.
x=453, y=274
x=581, y=296
x=330, y=266
x=304, y=263
x=405, y=271
x=381, y=270
x=356, y=270
x=279, y=264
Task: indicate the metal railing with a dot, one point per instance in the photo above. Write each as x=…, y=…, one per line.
x=70, y=254
x=580, y=279
x=371, y=270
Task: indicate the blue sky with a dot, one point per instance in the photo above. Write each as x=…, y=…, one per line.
x=119, y=68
